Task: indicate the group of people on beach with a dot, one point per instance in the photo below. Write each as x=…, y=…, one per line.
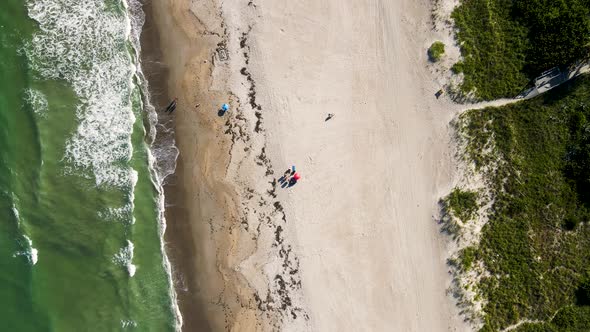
x=172, y=106
x=289, y=178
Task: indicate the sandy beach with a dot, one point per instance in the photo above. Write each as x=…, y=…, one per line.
x=354, y=245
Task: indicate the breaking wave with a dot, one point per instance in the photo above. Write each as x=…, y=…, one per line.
x=83, y=43
x=125, y=258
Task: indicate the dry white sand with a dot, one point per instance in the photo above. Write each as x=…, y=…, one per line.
x=354, y=245
x=371, y=254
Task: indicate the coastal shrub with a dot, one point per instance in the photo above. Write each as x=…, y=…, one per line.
x=559, y=32
x=572, y=319
x=468, y=256
x=565, y=319
x=493, y=47
x=535, y=327
x=506, y=43
x=436, y=51
x=462, y=203
x=577, y=167
x=583, y=292
x=570, y=222
x=457, y=68
x=536, y=177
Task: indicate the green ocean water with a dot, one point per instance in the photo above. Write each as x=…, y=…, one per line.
x=80, y=228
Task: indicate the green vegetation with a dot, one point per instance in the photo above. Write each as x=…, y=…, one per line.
x=457, y=209
x=506, y=43
x=492, y=44
x=462, y=204
x=571, y=319
x=583, y=292
x=468, y=256
x=436, y=51
x=559, y=31
x=536, y=244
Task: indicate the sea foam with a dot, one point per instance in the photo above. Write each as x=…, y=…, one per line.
x=125, y=257
x=85, y=44
x=126, y=323
x=37, y=100
x=30, y=252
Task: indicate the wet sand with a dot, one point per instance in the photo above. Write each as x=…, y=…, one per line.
x=180, y=245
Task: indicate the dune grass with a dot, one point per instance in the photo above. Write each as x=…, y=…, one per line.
x=538, y=260
x=507, y=43
x=493, y=47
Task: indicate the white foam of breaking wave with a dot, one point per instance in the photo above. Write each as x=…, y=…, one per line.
x=85, y=43
x=125, y=258
x=166, y=153
x=37, y=100
x=121, y=214
x=125, y=323
x=30, y=252
x=16, y=214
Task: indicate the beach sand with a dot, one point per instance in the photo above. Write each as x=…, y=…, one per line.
x=355, y=243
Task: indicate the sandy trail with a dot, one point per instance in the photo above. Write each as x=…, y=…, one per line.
x=354, y=245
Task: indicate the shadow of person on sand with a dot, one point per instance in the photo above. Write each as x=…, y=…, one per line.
x=220, y=112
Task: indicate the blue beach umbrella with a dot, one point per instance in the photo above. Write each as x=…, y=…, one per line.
x=225, y=107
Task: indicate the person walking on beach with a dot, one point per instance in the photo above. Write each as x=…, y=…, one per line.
x=172, y=106
x=330, y=115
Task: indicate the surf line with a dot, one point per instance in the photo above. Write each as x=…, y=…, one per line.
x=153, y=119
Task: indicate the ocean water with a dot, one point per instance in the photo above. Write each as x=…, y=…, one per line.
x=80, y=203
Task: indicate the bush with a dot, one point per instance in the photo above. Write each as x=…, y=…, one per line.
x=506, y=43
x=457, y=68
x=539, y=181
x=570, y=222
x=572, y=319
x=565, y=318
x=558, y=30
x=436, y=51
x=583, y=293
x=468, y=256
x=463, y=204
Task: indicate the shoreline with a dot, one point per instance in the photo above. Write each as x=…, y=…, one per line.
x=177, y=243
x=208, y=290
x=249, y=255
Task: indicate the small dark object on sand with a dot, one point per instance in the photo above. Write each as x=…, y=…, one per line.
x=439, y=93
x=224, y=108
x=197, y=105
x=172, y=106
x=330, y=115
